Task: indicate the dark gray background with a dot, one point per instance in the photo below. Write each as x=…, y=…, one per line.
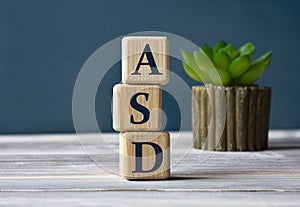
x=43, y=45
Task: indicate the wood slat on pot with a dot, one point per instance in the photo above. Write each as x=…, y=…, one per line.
x=252, y=118
x=196, y=116
x=230, y=118
x=210, y=118
x=220, y=118
x=203, y=118
x=242, y=112
x=259, y=119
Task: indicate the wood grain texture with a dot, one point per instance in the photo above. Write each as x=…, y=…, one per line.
x=230, y=120
x=132, y=49
x=259, y=116
x=252, y=121
x=242, y=114
x=198, y=117
x=128, y=155
x=204, y=112
x=263, y=117
x=220, y=119
x=211, y=114
x=55, y=170
x=150, y=199
x=122, y=110
x=245, y=110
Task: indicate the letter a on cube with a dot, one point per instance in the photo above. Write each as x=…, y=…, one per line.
x=145, y=155
x=137, y=107
x=145, y=60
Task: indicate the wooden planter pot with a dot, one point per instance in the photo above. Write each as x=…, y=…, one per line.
x=231, y=118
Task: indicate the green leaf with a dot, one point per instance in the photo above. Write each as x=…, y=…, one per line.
x=219, y=76
x=256, y=70
x=222, y=60
x=203, y=62
x=208, y=51
x=230, y=50
x=190, y=71
x=264, y=59
x=219, y=45
x=247, y=49
x=189, y=59
x=239, y=66
x=251, y=76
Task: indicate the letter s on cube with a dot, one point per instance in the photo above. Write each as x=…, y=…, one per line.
x=145, y=60
x=137, y=107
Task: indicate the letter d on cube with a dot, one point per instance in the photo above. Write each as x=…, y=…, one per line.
x=144, y=155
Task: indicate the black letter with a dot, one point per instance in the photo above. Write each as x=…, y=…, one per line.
x=151, y=62
x=134, y=104
x=139, y=156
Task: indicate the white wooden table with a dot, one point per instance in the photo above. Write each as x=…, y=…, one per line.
x=55, y=170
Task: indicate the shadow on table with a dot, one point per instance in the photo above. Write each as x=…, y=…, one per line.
x=283, y=147
x=291, y=143
x=203, y=175
x=185, y=177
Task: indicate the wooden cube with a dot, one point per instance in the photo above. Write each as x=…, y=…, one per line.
x=145, y=60
x=137, y=107
x=145, y=155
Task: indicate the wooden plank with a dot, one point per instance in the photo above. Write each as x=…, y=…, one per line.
x=210, y=118
x=220, y=119
x=204, y=110
x=258, y=128
x=242, y=113
x=196, y=117
x=230, y=118
x=188, y=183
x=252, y=122
x=154, y=198
x=58, y=163
x=200, y=110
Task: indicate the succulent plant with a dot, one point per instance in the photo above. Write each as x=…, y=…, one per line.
x=225, y=65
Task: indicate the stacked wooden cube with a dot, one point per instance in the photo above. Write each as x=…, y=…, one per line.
x=137, y=114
